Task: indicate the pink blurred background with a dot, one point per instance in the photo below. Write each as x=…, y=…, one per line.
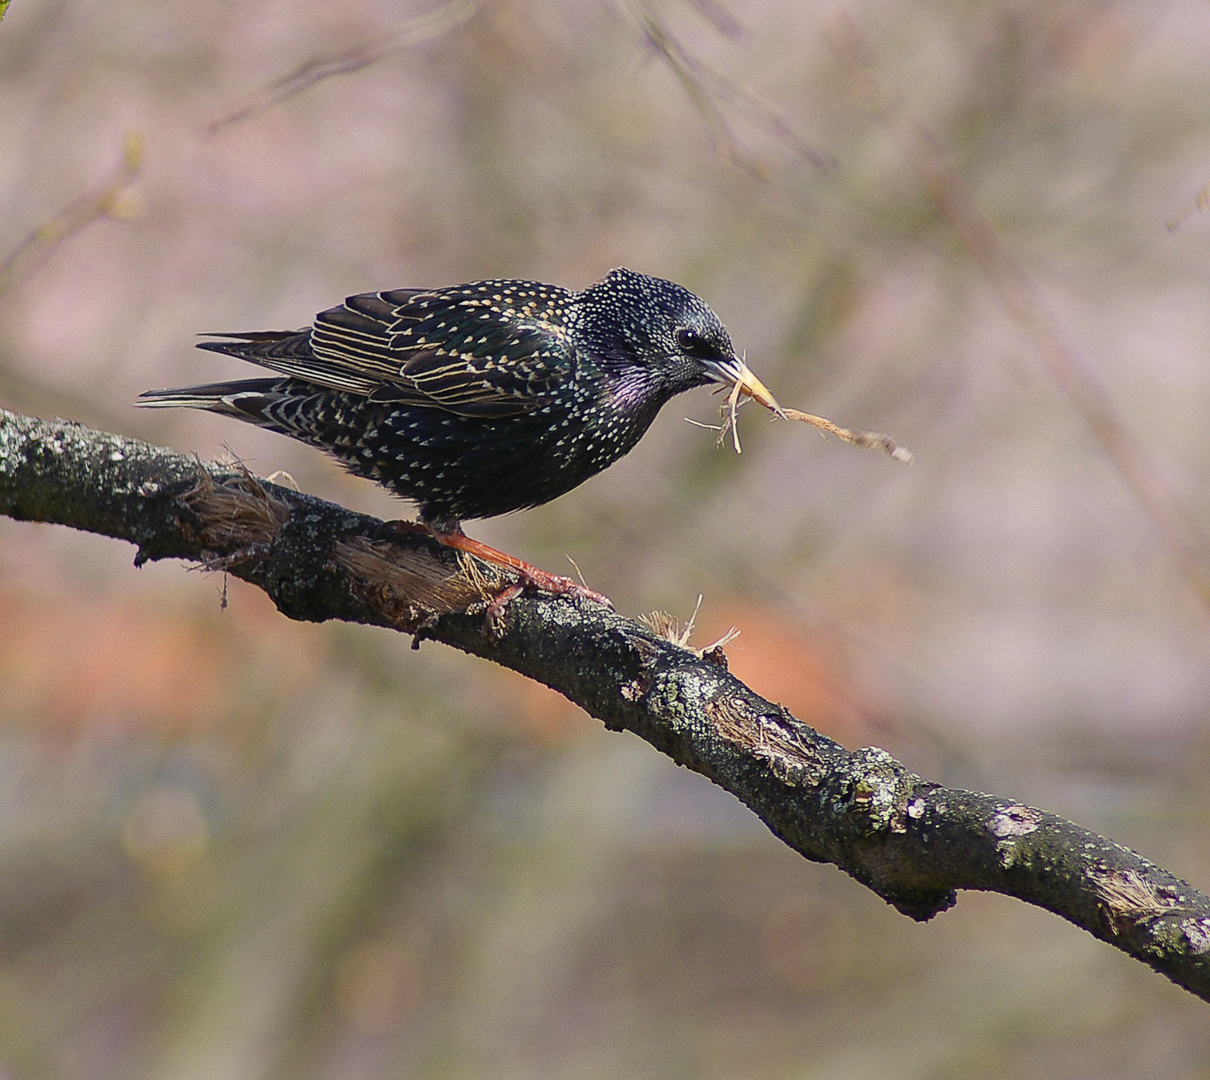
x=234, y=846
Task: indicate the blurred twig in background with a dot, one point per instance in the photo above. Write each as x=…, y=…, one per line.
x=110, y=199
x=1197, y=204
x=923, y=151
x=422, y=28
x=707, y=88
x=1069, y=369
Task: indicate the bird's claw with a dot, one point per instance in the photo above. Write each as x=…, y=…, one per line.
x=557, y=585
x=540, y=581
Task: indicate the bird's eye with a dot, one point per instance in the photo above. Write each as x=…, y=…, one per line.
x=693, y=345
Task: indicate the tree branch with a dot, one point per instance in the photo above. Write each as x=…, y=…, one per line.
x=913, y=842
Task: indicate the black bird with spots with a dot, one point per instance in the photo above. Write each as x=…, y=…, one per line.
x=483, y=398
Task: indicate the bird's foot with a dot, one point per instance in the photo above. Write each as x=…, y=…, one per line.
x=531, y=577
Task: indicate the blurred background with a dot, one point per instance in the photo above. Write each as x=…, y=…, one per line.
x=234, y=846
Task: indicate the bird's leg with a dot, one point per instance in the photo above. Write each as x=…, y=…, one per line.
x=451, y=535
x=531, y=576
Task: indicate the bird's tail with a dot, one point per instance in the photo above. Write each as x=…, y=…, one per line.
x=251, y=400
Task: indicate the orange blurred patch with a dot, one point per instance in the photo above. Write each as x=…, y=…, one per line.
x=772, y=655
x=71, y=660
x=744, y=1042
x=781, y=662
x=378, y=985
x=808, y=944
x=544, y=714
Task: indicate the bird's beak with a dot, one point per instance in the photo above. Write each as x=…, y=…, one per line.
x=736, y=374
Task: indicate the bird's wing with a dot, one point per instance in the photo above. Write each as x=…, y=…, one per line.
x=485, y=349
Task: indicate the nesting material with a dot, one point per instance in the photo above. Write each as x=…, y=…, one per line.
x=874, y=439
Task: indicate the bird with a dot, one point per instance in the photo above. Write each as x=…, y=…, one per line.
x=482, y=398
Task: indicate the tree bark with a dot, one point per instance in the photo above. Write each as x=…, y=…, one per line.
x=912, y=842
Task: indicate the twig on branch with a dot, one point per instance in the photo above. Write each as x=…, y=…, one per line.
x=912, y=842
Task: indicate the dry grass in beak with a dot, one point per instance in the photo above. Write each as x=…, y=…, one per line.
x=727, y=410
x=873, y=439
x=855, y=438
x=738, y=392
x=746, y=384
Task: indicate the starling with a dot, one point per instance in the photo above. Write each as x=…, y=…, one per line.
x=484, y=398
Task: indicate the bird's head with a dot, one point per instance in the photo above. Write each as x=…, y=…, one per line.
x=657, y=338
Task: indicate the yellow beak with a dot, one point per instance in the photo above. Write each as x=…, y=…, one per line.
x=740, y=376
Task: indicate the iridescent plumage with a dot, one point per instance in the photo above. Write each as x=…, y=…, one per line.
x=483, y=398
